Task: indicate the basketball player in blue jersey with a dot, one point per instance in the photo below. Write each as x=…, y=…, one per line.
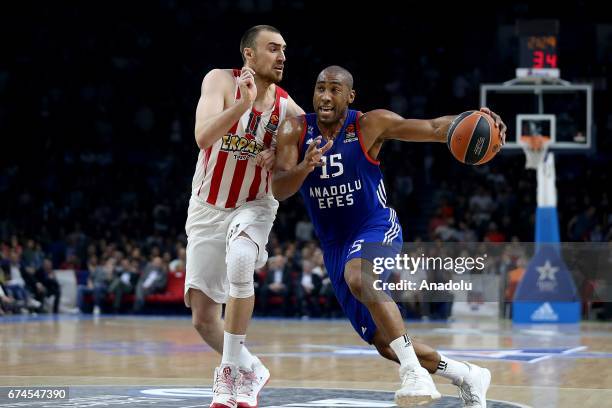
x=330, y=157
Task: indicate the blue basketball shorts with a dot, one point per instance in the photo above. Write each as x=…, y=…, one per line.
x=380, y=236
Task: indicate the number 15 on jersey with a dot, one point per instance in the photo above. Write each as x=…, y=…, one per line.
x=335, y=165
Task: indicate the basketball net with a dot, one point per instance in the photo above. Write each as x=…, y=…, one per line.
x=535, y=148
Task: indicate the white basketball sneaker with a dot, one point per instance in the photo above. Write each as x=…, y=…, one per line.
x=417, y=387
x=250, y=384
x=224, y=387
x=473, y=388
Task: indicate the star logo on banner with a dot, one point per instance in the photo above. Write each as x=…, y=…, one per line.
x=547, y=271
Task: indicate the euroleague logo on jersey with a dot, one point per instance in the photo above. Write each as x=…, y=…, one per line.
x=243, y=147
x=273, y=123
x=350, y=134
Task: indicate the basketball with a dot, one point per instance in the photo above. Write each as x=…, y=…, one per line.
x=473, y=138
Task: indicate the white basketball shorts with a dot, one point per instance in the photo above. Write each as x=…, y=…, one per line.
x=210, y=230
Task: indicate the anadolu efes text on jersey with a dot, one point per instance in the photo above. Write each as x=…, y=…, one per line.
x=342, y=194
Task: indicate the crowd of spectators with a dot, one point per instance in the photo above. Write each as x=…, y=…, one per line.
x=497, y=203
x=29, y=284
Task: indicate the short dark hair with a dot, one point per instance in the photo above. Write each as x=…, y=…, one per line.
x=249, y=37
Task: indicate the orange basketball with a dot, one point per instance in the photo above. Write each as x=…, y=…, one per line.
x=473, y=138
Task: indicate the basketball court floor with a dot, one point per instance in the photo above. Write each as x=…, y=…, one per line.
x=161, y=362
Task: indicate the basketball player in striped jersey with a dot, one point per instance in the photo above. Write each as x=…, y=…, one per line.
x=330, y=156
x=232, y=209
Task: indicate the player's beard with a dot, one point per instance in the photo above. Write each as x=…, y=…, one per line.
x=268, y=74
x=272, y=76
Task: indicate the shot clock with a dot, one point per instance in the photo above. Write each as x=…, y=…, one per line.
x=538, y=56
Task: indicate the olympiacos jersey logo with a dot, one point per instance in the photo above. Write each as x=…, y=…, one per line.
x=243, y=147
x=247, y=146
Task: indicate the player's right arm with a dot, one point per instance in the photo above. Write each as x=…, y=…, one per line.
x=212, y=121
x=289, y=174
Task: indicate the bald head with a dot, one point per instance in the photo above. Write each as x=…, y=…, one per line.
x=338, y=73
x=333, y=94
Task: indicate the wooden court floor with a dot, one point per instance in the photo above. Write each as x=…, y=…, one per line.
x=544, y=366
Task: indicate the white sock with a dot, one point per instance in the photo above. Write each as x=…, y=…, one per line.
x=232, y=347
x=402, y=346
x=246, y=359
x=451, y=369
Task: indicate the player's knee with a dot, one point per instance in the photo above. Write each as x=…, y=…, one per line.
x=241, y=258
x=352, y=276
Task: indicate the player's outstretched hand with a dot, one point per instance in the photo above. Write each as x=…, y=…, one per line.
x=246, y=83
x=266, y=159
x=498, y=122
x=314, y=153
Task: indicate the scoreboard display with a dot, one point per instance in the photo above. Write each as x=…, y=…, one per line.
x=538, y=52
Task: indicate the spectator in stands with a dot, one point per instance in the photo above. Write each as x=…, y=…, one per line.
x=307, y=292
x=153, y=280
x=42, y=283
x=124, y=281
x=276, y=283
x=436, y=221
x=447, y=210
x=46, y=275
x=309, y=249
x=291, y=256
x=139, y=258
x=493, y=234
x=465, y=233
x=304, y=229
x=514, y=277
x=16, y=246
x=33, y=255
x=72, y=262
x=330, y=306
x=7, y=303
x=178, y=264
x=16, y=284
x=97, y=284
x=447, y=232
x=440, y=303
x=481, y=205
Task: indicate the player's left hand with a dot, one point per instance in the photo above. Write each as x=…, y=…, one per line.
x=498, y=123
x=266, y=158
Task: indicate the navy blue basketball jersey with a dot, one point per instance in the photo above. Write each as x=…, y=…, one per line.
x=344, y=193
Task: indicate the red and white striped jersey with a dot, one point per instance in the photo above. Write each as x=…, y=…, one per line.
x=226, y=175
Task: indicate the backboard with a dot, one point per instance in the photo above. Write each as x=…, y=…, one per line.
x=564, y=110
